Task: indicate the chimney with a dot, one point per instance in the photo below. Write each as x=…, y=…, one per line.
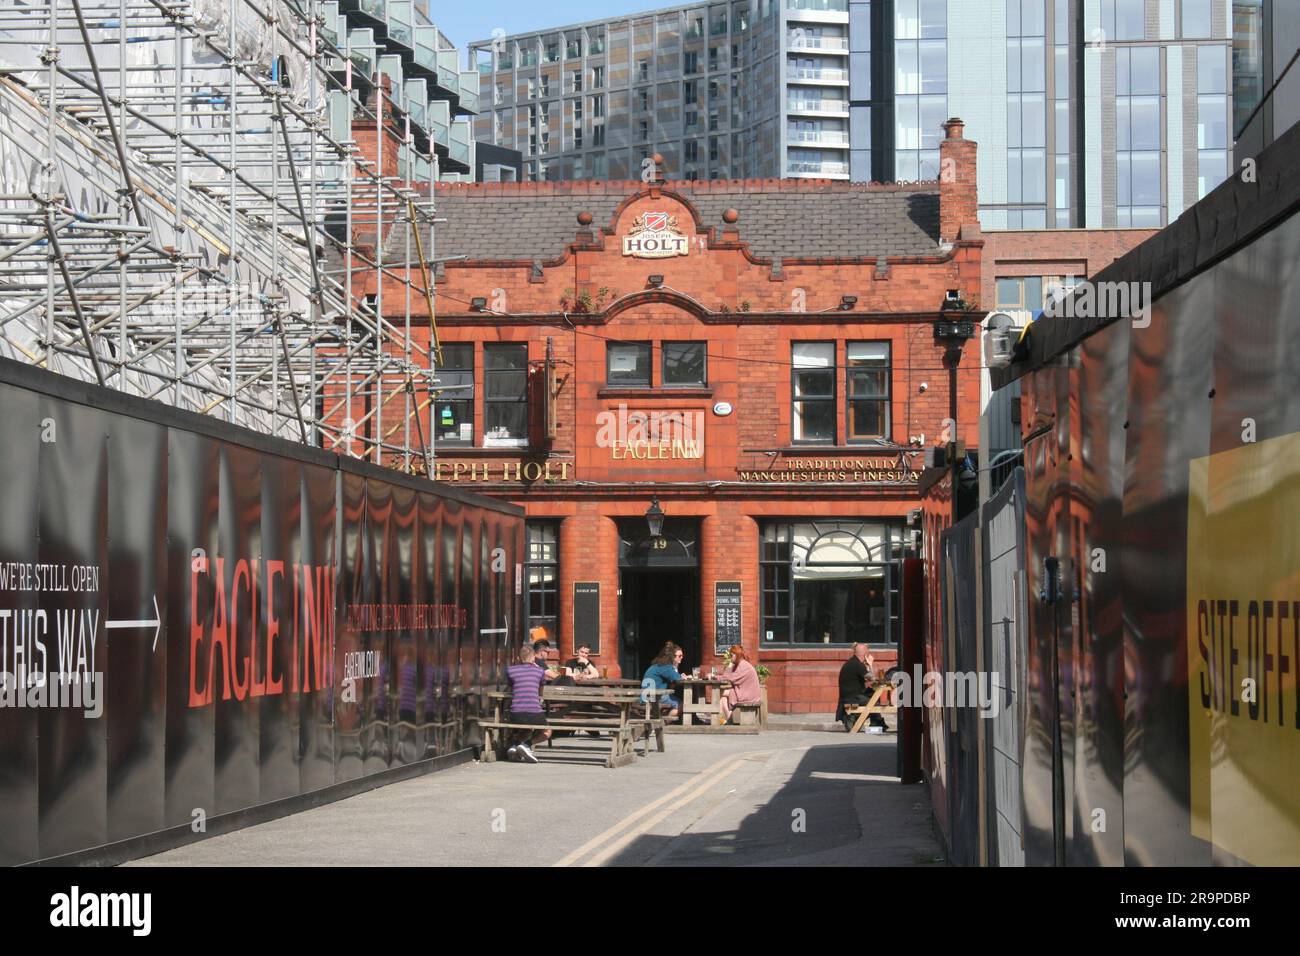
x=958, y=195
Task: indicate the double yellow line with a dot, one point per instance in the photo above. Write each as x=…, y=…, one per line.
x=616, y=838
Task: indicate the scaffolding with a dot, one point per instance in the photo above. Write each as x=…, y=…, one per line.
x=186, y=215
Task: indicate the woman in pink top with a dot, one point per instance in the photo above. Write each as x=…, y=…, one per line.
x=745, y=687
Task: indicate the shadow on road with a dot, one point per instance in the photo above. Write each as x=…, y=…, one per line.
x=817, y=810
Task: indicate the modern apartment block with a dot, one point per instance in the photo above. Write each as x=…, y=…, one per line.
x=745, y=89
x=1096, y=113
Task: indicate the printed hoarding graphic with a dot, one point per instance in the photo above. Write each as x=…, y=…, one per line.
x=1243, y=623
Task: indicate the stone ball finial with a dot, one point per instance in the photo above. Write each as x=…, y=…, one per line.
x=731, y=217
x=585, y=218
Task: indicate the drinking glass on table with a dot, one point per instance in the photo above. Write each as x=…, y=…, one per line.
x=695, y=673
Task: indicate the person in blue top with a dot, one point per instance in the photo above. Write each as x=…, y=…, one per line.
x=664, y=674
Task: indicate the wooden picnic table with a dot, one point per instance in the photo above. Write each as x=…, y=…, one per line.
x=873, y=706
x=703, y=695
x=611, y=710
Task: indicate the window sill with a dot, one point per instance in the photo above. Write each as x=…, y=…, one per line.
x=616, y=391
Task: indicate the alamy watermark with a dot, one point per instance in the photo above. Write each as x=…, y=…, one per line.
x=56, y=691
x=977, y=689
x=1105, y=300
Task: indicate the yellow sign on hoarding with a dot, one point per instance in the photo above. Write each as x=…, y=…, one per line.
x=1243, y=624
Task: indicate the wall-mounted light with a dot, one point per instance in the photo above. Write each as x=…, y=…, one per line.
x=654, y=516
x=477, y=304
x=655, y=281
x=847, y=302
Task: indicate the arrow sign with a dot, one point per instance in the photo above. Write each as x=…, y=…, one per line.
x=156, y=624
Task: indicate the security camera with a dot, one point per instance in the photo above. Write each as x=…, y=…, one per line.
x=925, y=386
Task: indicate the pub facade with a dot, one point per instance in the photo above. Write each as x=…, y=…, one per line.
x=713, y=399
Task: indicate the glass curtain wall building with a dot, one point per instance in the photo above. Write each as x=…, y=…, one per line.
x=1089, y=113
x=748, y=88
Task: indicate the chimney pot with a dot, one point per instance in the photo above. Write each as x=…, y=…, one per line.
x=954, y=128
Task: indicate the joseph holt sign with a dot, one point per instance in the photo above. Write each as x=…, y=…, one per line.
x=655, y=236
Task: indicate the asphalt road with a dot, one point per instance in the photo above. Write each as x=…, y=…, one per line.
x=798, y=798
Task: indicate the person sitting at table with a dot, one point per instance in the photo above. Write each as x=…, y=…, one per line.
x=664, y=674
x=856, y=677
x=526, y=680
x=745, y=689
x=581, y=667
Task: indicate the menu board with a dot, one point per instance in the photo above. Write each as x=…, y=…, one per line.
x=586, y=614
x=726, y=615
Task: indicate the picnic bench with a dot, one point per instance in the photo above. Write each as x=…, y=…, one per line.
x=873, y=706
x=625, y=714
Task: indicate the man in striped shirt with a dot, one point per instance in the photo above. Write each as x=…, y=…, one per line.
x=526, y=682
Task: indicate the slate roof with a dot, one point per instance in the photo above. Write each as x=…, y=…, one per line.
x=787, y=219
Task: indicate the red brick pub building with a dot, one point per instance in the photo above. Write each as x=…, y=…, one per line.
x=757, y=360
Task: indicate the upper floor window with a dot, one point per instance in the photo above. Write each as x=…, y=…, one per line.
x=454, y=407
x=868, y=398
x=685, y=364
x=505, y=395
x=813, y=393
x=627, y=364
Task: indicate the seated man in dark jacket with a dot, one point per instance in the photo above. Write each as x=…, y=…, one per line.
x=856, y=677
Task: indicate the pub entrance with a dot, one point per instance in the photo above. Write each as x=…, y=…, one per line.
x=659, y=592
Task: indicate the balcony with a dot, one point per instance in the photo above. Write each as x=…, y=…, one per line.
x=833, y=107
x=825, y=170
x=401, y=25
x=833, y=138
x=826, y=44
x=818, y=74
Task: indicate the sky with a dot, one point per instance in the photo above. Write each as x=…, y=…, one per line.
x=463, y=21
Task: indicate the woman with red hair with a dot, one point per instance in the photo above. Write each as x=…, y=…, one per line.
x=745, y=689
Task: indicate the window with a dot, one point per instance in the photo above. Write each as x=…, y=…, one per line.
x=575, y=78
x=598, y=134
x=692, y=150
x=505, y=395
x=597, y=77
x=1196, y=19
x=627, y=364
x=691, y=62
x=684, y=364
x=454, y=405
x=831, y=582
x=868, y=383
x=543, y=576
x=813, y=393
x=598, y=106
x=1139, y=194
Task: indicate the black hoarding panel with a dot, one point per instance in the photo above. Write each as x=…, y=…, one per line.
x=20, y=437
x=374, y=674
x=1170, y=377
x=355, y=595
x=193, y=502
x=317, y=568
x=135, y=705
x=271, y=683
x=70, y=626
x=1040, y=765
x=402, y=645
x=236, y=575
x=1097, y=511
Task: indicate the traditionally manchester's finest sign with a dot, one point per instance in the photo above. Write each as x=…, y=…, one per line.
x=655, y=236
x=880, y=471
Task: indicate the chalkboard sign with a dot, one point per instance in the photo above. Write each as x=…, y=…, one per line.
x=726, y=615
x=586, y=614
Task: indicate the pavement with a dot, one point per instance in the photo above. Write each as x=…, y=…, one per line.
x=788, y=798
